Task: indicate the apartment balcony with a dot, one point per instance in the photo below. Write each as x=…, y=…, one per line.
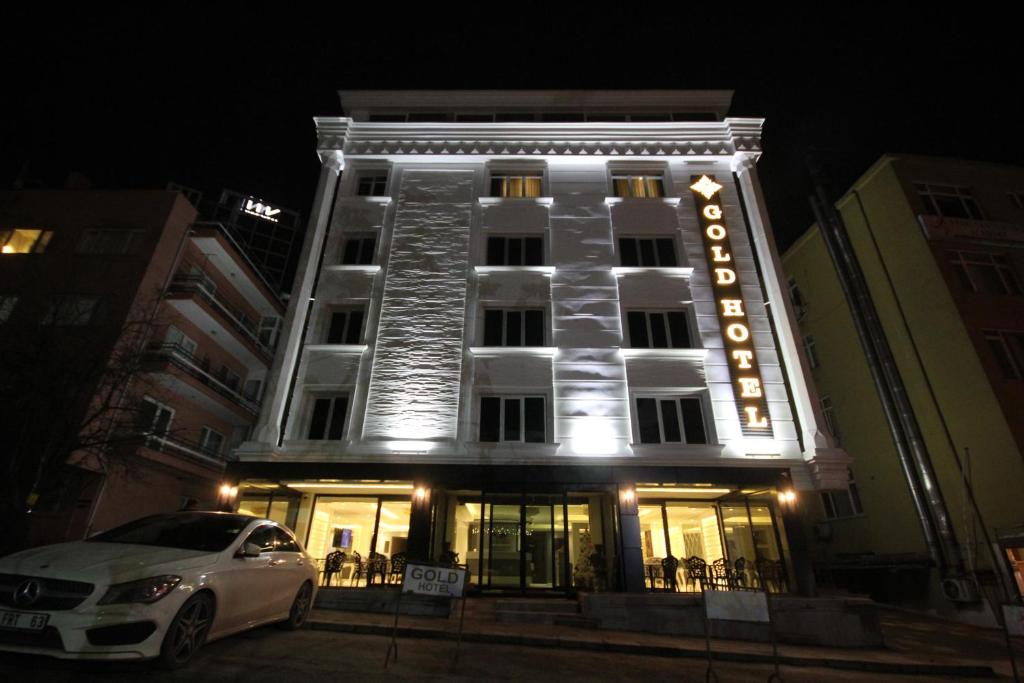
x=199, y=301
x=190, y=450
x=198, y=370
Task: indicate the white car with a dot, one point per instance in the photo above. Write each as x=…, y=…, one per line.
x=157, y=587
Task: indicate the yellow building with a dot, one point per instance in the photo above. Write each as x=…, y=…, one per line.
x=916, y=343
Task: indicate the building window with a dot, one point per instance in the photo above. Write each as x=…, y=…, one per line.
x=670, y=420
x=7, y=304
x=513, y=327
x=346, y=327
x=647, y=252
x=1008, y=350
x=181, y=343
x=229, y=378
x=658, y=330
x=797, y=299
x=984, y=272
x=358, y=250
x=72, y=311
x=517, y=185
x=515, y=251
x=811, y=350
x=109, y=241
x=211, y=441
x=328, y=419
x=948, y=201
x=24, y=241
x=828, y=411
x=1016, y=198
x=846, y=503
x=512, y=418
x=270, y=330
x=372, y=184
x=642, y=186
x=252, y=389
x=153, y=418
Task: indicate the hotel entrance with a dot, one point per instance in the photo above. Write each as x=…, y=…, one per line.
x=529, y=542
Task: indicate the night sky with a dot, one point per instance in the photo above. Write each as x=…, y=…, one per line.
x=225, y=97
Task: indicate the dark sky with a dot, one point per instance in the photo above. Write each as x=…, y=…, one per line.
x=224, y=97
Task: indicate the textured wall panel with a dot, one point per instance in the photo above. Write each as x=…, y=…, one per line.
x=417, y=366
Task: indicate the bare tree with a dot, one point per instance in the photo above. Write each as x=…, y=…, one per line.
x=71, y=384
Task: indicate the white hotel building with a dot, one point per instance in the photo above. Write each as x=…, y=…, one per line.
x=547, y=331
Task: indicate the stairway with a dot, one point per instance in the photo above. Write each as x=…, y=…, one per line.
x=548, y=611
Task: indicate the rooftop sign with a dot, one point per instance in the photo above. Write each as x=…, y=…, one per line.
x=257, y=208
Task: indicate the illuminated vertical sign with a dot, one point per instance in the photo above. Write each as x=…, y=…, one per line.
x=751, y=403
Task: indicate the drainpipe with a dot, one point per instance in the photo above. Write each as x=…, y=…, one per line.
x=899, y=415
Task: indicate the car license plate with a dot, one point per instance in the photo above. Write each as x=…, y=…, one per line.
x=29, y=621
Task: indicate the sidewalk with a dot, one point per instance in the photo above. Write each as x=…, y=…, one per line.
x=914, y=644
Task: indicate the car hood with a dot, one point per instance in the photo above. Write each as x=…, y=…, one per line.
x=104, y=563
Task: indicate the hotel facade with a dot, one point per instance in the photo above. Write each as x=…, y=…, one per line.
x=545, y=331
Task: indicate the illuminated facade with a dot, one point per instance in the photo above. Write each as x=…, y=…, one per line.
x=546, y=314
x=936, y=481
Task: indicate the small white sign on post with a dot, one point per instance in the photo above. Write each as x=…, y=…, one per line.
x=440, y=581
x=1014, y=615
x=737, y=605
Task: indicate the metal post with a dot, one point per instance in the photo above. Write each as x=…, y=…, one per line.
x=710, y=674
x=393, y=645
x=462, y=621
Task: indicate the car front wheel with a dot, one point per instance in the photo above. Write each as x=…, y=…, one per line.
x=187, y=632
x=300, y=608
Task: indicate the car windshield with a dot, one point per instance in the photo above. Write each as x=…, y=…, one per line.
x=209, y=532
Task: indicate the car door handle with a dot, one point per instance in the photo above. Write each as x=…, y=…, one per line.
x=275, y=563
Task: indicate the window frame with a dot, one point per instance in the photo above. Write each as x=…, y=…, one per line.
x=961, y=263
x=828, y=411
x=129, y=247
x=359, y=237
x=160, y=407
x=631, y=174
x=852, y=492
x=39, y=245
x=505, y=310
x=374, y=173
x=1014, y=358
x=638, y=239
x=685, y=311
x=328, y=323
x=523, y=236
x=204, y=434
x=331, y=415
x=503, y=399
x=810, y=349
x=186, y=343
x=57, y=307
x=495, y=174
x=701, y=397
x=928, y=192
x=8, y=304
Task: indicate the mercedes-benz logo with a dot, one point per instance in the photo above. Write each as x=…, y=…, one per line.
x=27, y=593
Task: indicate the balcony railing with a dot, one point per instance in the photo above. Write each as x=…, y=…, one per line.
x=175, y=446
x=180, y=357
x=235, y=316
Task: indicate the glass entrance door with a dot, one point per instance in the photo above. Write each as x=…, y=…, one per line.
x=539, y=543
x=502, y=546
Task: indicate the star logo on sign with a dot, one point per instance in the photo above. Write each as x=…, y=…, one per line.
x=706, y=186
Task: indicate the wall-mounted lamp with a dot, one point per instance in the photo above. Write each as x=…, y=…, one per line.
x=228, y=492
x=420, y=493
x=628, y=495
x=787, y=498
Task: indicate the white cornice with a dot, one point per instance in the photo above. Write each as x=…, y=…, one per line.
x=593, y=100
x=617, y=140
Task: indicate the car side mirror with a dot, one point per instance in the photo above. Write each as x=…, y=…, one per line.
x=248, y=550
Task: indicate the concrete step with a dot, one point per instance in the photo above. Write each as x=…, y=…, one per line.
x=545, y=618
x=553, y=606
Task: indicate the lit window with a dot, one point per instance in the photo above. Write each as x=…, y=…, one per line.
x=328, y=419
x=984, y=272
x=346, y=327
x=948, y=201
x=513, y=327
x=211, y=442
x=515, y=251
x=372, y=184
x=670, y=420
x=24, y=241
x=811, y=350
x=358, y=250
x=516, y=185
x=1008, y=351
x=846, y=503
x=72, y=311
x=512, y=418
x=109, y=241
x=641, y=186
x=653, y=252
x=659, y=330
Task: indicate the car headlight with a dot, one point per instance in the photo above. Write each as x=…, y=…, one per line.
x=144, y=590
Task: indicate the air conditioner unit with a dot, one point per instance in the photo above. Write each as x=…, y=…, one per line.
x=961, y=589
